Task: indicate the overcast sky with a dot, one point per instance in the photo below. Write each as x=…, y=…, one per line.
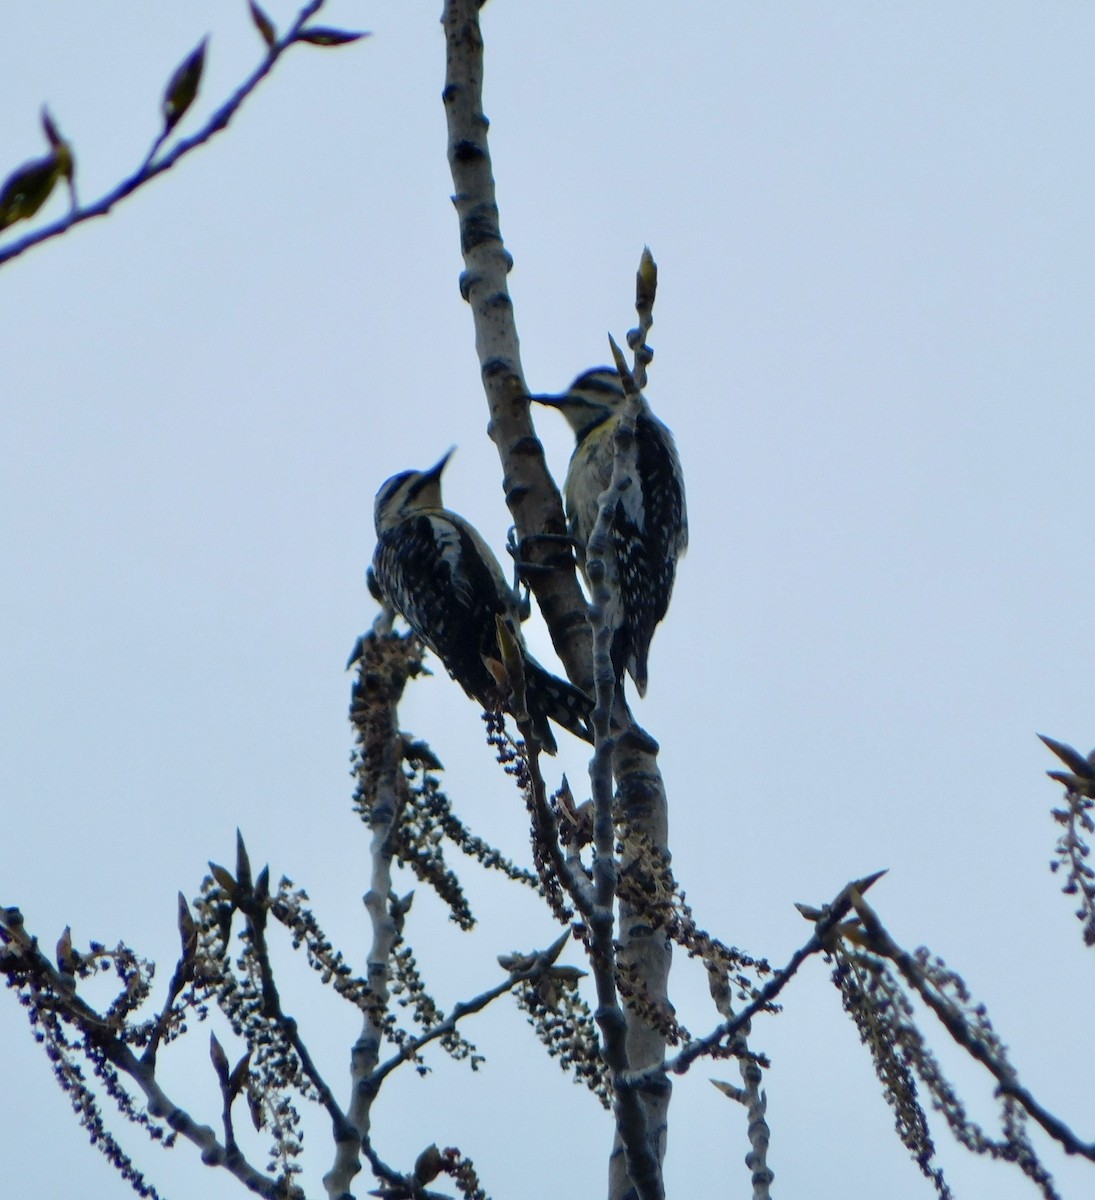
x=873, y=342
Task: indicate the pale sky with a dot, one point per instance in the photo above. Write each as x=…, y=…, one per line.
x=872, y=335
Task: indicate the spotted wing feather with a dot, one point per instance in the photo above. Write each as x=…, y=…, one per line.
x=650, y=533
x=431, y=572
x=439, y=575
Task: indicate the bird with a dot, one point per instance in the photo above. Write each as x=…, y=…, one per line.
x=434, y=568
x=650, y=520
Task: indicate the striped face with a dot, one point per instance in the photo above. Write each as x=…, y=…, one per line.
x=589, y=401
x=407, y=493
x=601, y=384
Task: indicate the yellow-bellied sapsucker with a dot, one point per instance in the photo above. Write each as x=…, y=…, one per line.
x=650, y=524
x=436, y=571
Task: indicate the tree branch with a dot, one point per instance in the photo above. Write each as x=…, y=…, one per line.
x=530, y=971
x=531, y=494
x=151, y=167
x=255, y=915
x=568, y=869
x=827, y=919
x=751, y=1095
x=533, y=498
x=632, y=1125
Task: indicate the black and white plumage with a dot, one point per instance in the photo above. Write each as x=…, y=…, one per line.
x=650, y=523
x=436, y=571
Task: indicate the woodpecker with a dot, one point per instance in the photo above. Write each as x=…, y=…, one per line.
x=650, y=524
x=436, y=571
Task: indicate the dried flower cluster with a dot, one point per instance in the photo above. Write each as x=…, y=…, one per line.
x=563, y=1023
x=1073, y=849
x=884, y=1014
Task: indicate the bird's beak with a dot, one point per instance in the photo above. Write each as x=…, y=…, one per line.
x=550, y=401
x=435, y=471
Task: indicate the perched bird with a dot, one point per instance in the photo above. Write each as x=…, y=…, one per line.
x=650, y=525
x=436, y=571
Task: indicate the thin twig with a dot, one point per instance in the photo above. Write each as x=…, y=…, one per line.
x=751, y=1096
x=462, y=1009
x=575, y=883
x=567, y=869
x=835, y=913
x=643, y=1167
x=148, y=170
x=402, y=1185
x=183, y=974
x=256, y=923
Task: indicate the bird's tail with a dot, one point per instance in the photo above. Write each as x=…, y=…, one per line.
x=630, y=650
x=549, y=698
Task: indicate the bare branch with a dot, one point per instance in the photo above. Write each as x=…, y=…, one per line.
x=182, y=975
x=533, y=498
x=152, y=166
x=826, y=920
x=751, y=1096
x=642, y=1159
x=531, y=494
x=255, y=912
x=531, y=969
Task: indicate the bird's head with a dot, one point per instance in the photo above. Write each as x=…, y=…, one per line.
x=409, y=492
x=589, y=401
